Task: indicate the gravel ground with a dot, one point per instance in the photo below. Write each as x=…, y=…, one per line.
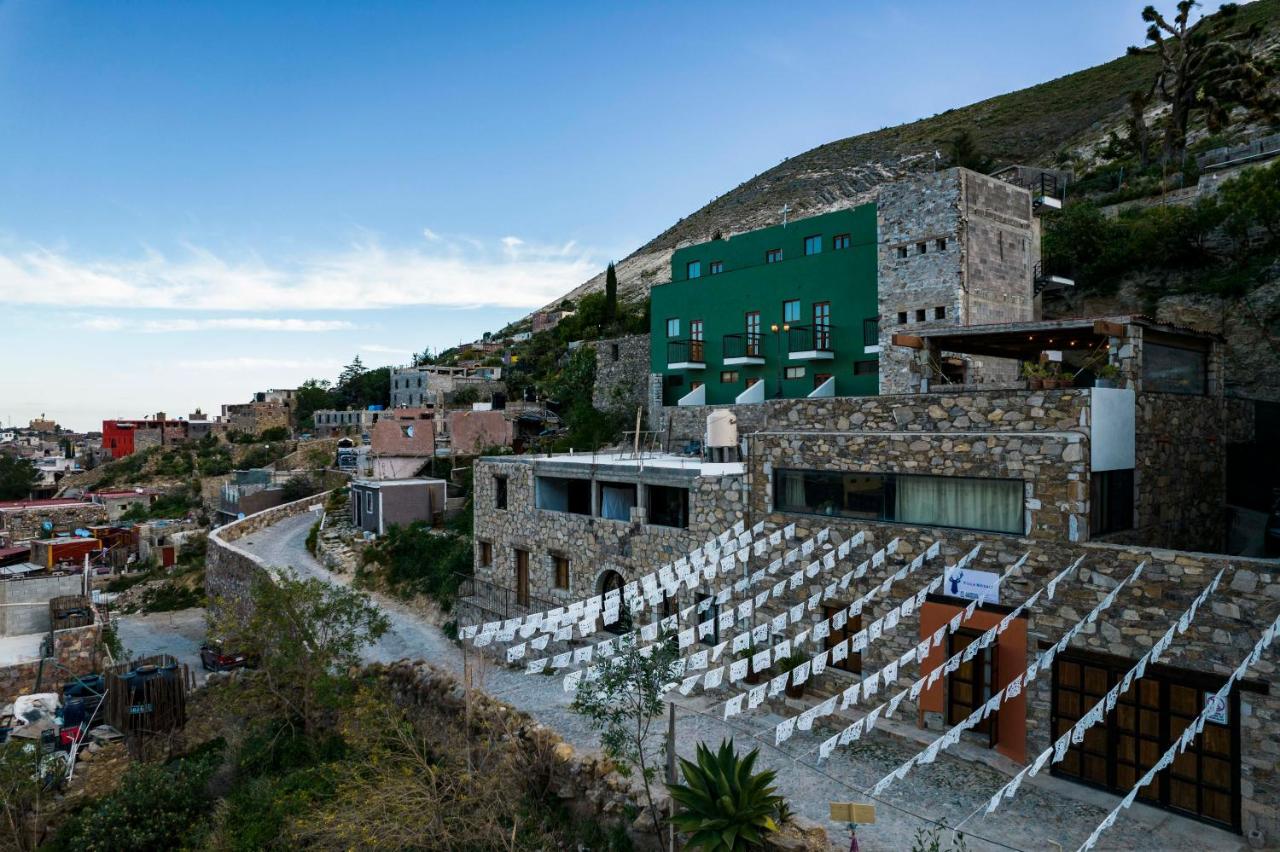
x=1048, y=813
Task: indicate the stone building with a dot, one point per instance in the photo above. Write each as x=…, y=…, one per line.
x=431, y=384
x=254, y=418
x=331, y=423
x=565, y=526
x=622, y=373
x=26, y=520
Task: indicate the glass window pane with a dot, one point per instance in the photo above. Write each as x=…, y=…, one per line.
x=948, y=501
x=1169, y=369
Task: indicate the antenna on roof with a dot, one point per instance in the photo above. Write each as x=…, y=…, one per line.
x=786, y=208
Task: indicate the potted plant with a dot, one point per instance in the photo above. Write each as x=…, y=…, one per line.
x=1053, y=376
x=1106, y=376
x=789, y=664
x=1034, y=375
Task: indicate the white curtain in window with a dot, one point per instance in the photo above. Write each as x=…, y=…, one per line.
x=616, y=503
x=978, y=504
x=793, y=489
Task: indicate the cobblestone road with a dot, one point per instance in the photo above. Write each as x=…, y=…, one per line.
x=1047, y=813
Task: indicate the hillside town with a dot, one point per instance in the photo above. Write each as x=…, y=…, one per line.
x=933, y=507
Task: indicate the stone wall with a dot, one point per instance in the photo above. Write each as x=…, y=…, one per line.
x=980, y=272
x=593, y=545
x=26, y=523
x=24, y=601
x=622, y=373
x=253, y=418
x=76, y=649
x=231, y=571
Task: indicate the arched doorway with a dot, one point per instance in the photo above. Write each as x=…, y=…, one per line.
x=610, y=580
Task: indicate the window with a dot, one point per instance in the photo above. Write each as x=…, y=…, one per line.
x=1173, y=369
x=791, y=310
x=871, y=331
x=939, y=313
x=1110, y=501
x=717, y=266
x=940, y=243
x=822, y=326
x=919, y=314
x=617, y=499
x=560, y=494
x=368, y=501
x=729, y=377
x=866, y=368
x=902, y=317
x=561, y=565
x=673, y=327
x=693, y=269
x=819, y=378
x=921, y=248
x=993, y=505
x=486, y=553
x=773, y=256
x=813, y=245
x=840, y=241
x=499, y=492
x=795, y=372
x=668, y=506
x=902, y=252
x=695, y=341
x=753, y=333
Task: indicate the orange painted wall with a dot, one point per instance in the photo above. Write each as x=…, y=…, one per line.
x=1011, y=659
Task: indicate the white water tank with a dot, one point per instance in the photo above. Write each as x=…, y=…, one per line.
x=722, y=429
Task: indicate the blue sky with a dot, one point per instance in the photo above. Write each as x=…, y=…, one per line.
x=200, y=200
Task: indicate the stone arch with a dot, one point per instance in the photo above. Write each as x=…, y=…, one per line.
x=606, y=580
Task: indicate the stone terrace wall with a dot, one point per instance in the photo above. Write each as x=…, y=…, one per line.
x=592, y=545
x=1222, y=633
x=621, y=381
x=25, y=524
x=231, y=571
x=76, y=649
x=979, y=411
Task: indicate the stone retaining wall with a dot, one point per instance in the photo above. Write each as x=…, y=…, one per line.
x=622, y=373
x=76, y=649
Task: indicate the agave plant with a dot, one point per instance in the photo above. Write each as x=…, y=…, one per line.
x=724, y=805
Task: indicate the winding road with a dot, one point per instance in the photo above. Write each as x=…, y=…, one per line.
x=1046, y=808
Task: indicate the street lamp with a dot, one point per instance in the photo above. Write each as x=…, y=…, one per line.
x=778, y=348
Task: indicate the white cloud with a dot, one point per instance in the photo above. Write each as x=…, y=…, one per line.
x=247, y=363
x=384, y=350
x=431, y=235
x=460, y=272
x=228, y=324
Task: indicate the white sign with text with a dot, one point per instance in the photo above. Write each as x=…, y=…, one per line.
x=975, y=585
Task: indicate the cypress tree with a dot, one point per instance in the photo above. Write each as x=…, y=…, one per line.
x=610, y=296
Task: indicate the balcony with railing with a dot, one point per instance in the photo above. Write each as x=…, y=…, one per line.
x=484, y=600
x=742, y=349
x=1049, y=278
x=811, y=342
x=686, y=355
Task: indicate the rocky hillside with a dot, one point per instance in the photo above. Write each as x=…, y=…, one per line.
x=1035, y=125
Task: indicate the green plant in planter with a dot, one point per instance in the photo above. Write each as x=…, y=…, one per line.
x=1035, y=374
x=753, y=676
x=786, y=666
x=1106, y=375
x=724, y=804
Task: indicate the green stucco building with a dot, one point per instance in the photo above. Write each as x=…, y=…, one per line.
x=790, y=306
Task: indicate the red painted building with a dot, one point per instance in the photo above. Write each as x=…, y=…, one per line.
x=121, y=438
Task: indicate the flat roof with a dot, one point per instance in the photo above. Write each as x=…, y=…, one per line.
x=1019, y=339
x=43, y=504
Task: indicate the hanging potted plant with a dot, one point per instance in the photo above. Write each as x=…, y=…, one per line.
x=787, y=666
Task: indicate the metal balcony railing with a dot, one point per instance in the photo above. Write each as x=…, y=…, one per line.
x=1043, y=277
x=498, y=601
x=745, y=345
x=871, y=332
x=686, y=352
x=810, y=338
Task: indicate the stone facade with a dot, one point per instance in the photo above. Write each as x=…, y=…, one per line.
x=26, y=523
x=434, y=385
x=77, y=650
x=1220, y=636
x=622, y=373
x=956, y=248
x=593, y=545
x=254, y=418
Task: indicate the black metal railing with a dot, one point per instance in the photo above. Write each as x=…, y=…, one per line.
x=498, y=601
x=1043, y=276
x=1044, y=186
x=685, y=352
x=810, y=338
x=745, y=345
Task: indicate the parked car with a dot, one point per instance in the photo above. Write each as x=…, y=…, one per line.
x=215, y=658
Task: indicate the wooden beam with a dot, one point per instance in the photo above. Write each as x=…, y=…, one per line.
x=1108, y=329
x=910, y=341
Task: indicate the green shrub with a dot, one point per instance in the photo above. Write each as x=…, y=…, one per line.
x=418, y=560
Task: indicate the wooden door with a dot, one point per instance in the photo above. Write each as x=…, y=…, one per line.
x=522, y=577
x=969, y=686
